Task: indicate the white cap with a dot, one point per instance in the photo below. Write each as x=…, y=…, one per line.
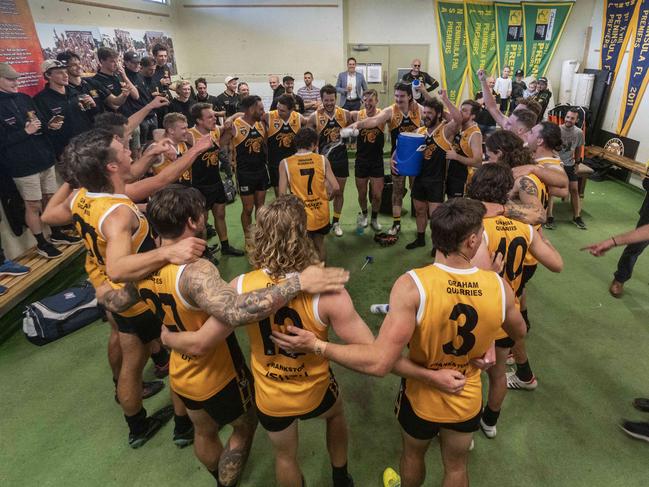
x=230, y=78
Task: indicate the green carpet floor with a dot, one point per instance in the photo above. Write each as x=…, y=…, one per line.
x=60, y=425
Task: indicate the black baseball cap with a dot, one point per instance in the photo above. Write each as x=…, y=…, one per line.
x=519, y=72
x=131, y=57
x=287, y=78
x=543, y=79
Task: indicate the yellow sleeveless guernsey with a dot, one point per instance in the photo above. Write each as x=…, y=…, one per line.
x=197, y=378
x=328, y=129
x=306, y=177
x=544, y=198
x=89, y=210
x=460, y=313
x=403, y=123
x=549, y=161
x=281, y=135
x=157, y=167
x=286, y=384
x=511, y=239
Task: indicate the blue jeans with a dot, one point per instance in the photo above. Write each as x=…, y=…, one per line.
x=632, y=252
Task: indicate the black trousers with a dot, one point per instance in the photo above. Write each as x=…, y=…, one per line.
x=632, y=252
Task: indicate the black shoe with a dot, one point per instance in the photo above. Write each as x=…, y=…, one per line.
x=210, y=253
x=48, y=251
x=211, y=231
x=641, y=404
x=636, y=429
x=579, y=223
x=184, y=438
x=63, y=239
x=153, y=423
x=416, y=244
x=549, y=224
x=229, y=250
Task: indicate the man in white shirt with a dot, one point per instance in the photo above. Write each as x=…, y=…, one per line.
x=504, y=88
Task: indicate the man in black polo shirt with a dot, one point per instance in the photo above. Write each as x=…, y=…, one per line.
x=426, y=79
x=228, y=101
x=112, y=78
x=144, y=132
x=86, y=90
x=289, y=84
x=162, y=73
x=202, y=96
x=147, y=72
x=61, y=107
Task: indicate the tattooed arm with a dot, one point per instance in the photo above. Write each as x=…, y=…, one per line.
x=202, y=285
x=118, y=300
x=532, y=213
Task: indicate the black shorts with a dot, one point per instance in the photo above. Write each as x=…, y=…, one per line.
x=572, y=174
x=506, y=342
x=455, y=187
x=146, y=325
x=214, y=194
x=430, y=190
x=369, y=169
x=422, y=429
x=321, y=231
x=273, y=173
x=251, y=182
x=280, y=423
x=340, y=169
x=230, y=402
x=528, y=272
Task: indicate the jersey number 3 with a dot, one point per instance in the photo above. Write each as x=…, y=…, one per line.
x=468, y=338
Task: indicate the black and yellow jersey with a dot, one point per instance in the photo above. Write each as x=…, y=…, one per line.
x=249, y=146
x=433, y=166
x=306, y=178
x=157, y=167
x=462, y=145
x=328, y=129
x=205, y=169
x=399, y=122
x=369, y=144
x=281, y=135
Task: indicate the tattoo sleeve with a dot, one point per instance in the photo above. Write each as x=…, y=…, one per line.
x=528, y=186
x=119, y=300
x=202, y=284
x=533, y=214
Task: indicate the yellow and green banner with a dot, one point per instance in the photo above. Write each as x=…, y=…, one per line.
x=636, y=76
x=480, y=39
x=616, y=30
x=509, y=35
x=543, y=24
x=451, y=28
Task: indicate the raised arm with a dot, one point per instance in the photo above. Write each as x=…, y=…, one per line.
x=138, y=117
x=454, y=125
x=150, y=156
x=377, y=121
x=58, y=212
x=202, y=284
x=490, y=101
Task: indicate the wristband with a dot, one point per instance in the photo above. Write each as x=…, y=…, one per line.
x=319, y=347
x=614, y=242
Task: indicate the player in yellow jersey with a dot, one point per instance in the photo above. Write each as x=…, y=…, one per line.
x=209, y=374
x=307, y=174
x=175, y=129
x=513, y=240
x=205, y=174
x=328, y=120
x=120, y=248
x=282, y=125
x=449, y=314
x=466, y=153
x=368, y=167
x=250, y=153
x=405, y=115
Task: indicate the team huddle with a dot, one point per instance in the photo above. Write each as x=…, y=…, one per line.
x=484, y=202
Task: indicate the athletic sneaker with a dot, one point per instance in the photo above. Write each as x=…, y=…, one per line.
x=395, y=229
x=416, y=244
x=376, y=226
x=361, y=220
x=510, y=359
x=210, y=231
x=64, y=239
x=231, y=251
x=184, y=438
x=48, y=251
x=549, y=224
x=641, y=404
x=513, y=382
x=11, y=268
x=579, y=223
x=636, y=429
x=391, y=478
x=338, y=231
x=3, y=290
x=489, y=431
x=153, y=423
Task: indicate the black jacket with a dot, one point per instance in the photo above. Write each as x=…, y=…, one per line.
x=182, y=107
x=211, y=99
x=22, y=154
x=76, y=120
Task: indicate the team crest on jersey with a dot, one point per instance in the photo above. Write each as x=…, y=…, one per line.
x=323, y=121
x=243, y=130
x=276, y=124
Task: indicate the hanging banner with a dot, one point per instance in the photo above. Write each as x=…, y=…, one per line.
x=543, y=24
x=19, y=45
x=636, y=76
x=509, y=36
x=480, y=39
x=616, y=30
x=452, y=44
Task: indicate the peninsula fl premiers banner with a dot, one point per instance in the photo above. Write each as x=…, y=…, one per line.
x=543, y=24
x=616, y=30
x=453, y=50
x=509, y=36
x=480, y=39
x=636, y=76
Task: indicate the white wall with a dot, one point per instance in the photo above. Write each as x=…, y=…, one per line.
x=638, y=129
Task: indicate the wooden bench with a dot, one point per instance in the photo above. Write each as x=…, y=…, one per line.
x=42, y=270
x=620, y=161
